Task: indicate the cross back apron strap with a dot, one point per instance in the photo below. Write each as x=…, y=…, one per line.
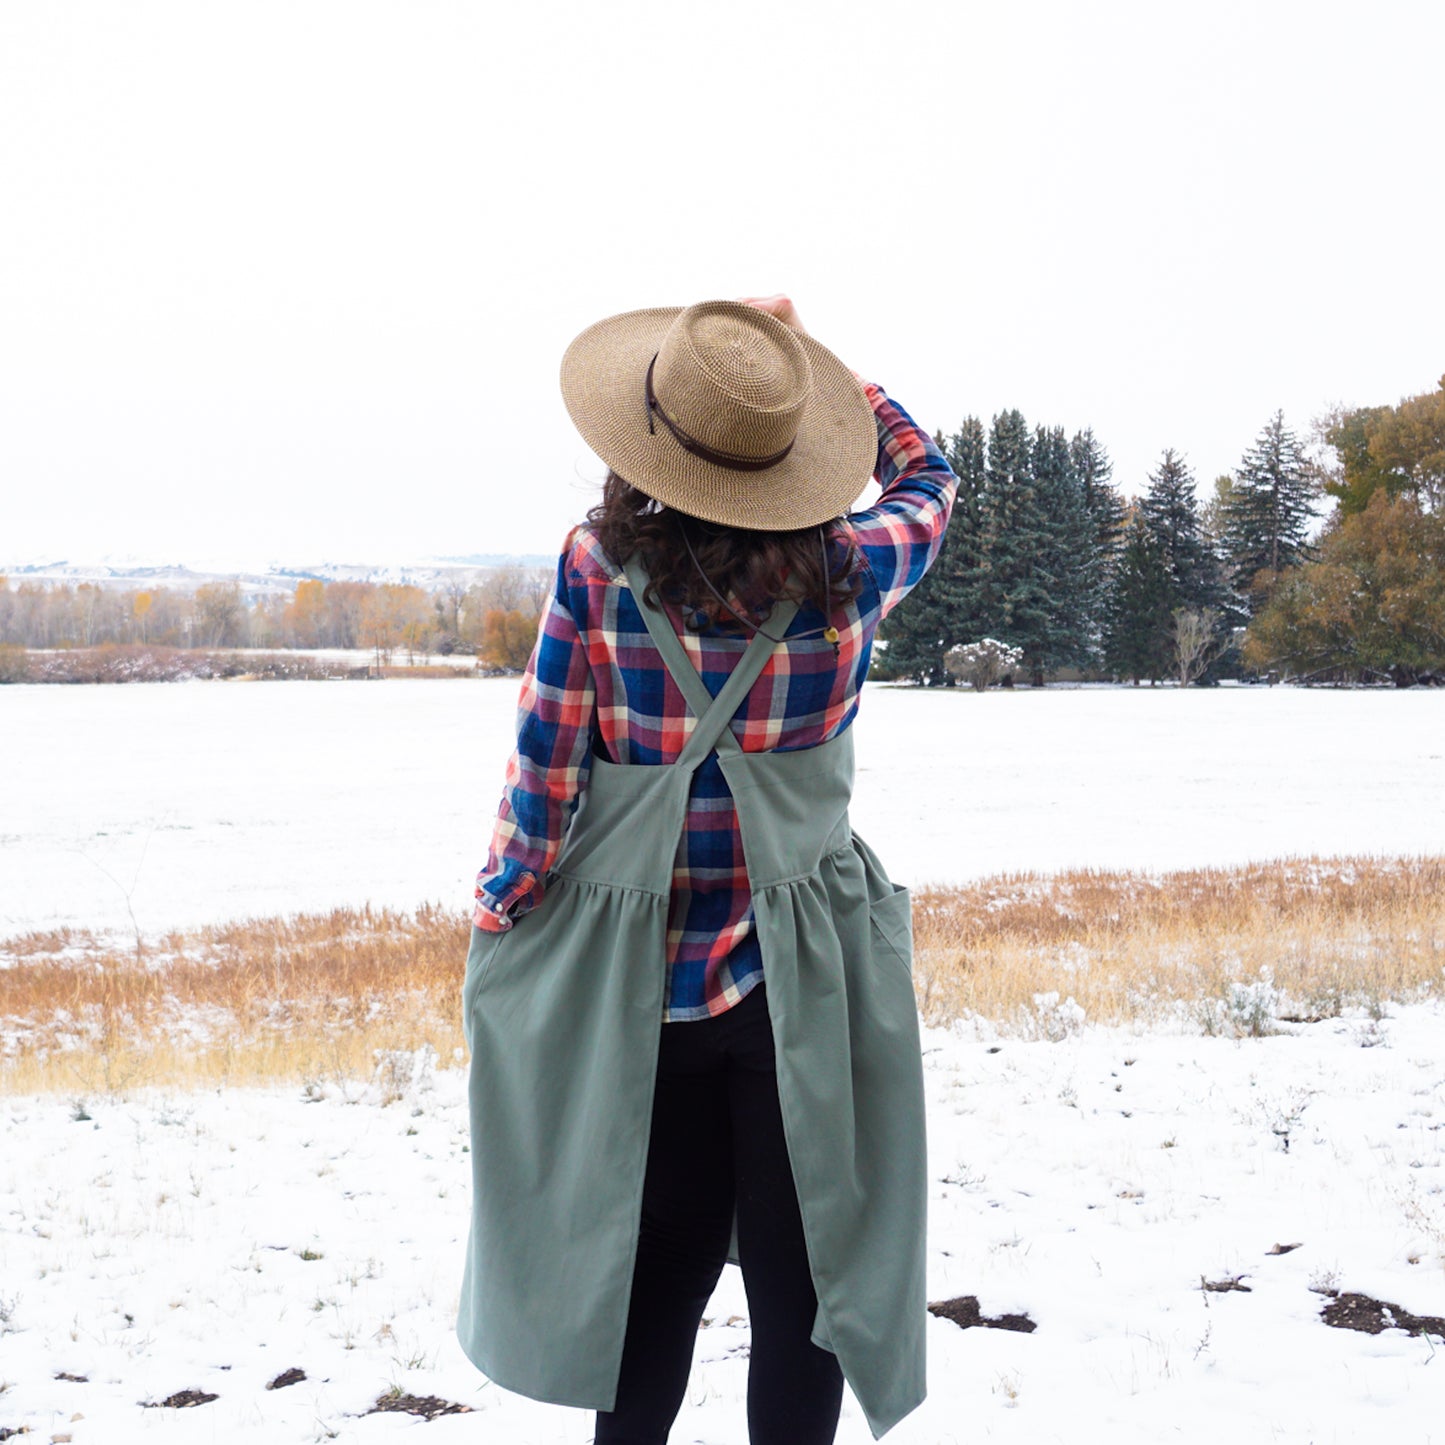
x=713, y=713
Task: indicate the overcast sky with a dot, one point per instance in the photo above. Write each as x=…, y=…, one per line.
x=290, y=281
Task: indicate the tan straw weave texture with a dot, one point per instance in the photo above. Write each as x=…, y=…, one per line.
x=739, y=382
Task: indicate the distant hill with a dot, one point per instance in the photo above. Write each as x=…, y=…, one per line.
x=127, y=573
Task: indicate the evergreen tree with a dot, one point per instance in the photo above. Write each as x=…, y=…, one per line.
x=1035, y=537
x=1267, y=516
x=1105, y=507
x=942, y=609
x=1015, y=589
x=1137, y=641
x=1231, y=615
x=1068, y=532
x=1170, y=510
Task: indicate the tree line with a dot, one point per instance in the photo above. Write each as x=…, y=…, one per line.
x=493, y=617
x=1047, y=568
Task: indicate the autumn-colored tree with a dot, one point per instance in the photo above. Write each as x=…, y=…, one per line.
x=268, y=624
x=306, y=613
x=420, y=628
x=220, y=614
x=389, y=614
x=141, y=606
x=344, y=604
x=1409, y=441
x=1372, y=605
x=1399, y=450
x=169, y=615
x=523, y=590
x=507, y=639
x=1355, y=476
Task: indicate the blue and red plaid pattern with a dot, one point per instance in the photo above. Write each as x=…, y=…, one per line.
x=596, y=680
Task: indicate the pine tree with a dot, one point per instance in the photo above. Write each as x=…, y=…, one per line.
x=1267, y=514
x=1015, y=589
x=1170, y=510
x=1105, y=507
x=1034, y=539
x=1068, y=531
x=942, y=609
x=1140, y=607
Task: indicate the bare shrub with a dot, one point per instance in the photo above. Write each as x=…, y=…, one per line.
x=14, y=663
x=1196, y=641
x=982, y=664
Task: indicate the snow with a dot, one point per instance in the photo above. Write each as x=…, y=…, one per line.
x=1091, y=1178
x=163, y=1243
x=207, y=801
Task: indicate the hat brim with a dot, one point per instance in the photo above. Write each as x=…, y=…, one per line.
x=820, y=478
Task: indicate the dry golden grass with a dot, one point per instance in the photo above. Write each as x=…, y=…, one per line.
x=334, y=996
x=429, y=669
x=313, y=998
x=1228, y=948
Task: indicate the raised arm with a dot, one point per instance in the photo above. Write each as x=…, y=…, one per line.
x=899, y=536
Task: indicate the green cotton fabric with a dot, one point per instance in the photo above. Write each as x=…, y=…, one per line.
x=563, y=1014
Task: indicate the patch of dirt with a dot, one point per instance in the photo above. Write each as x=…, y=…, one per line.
x=181, y=1400
x=1374, y=1316
x=293, y=1376
x=74, y=1379
x=965, y=1313
x=9, y=1433
x=429, y=1407
x=1283, y=1248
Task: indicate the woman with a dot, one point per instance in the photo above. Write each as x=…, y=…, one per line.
x=688, y=995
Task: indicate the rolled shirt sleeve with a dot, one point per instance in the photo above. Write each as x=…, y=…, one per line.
x=547, y=771
x=900, y=535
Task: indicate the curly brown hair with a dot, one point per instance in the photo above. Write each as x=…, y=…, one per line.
x=817, y=566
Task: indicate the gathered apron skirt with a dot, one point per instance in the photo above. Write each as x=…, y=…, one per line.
x=563, y=1014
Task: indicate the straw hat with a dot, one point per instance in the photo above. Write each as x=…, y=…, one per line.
x=723, y=412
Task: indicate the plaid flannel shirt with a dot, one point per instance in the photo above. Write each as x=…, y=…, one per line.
x=596, y=680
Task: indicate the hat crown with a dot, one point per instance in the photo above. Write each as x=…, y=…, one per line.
x=734, y=378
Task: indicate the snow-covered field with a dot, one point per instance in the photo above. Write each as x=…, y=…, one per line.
x=206, y=801
x=213, y=1241
x=153, y=1244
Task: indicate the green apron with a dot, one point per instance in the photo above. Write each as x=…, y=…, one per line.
x=563, y=1013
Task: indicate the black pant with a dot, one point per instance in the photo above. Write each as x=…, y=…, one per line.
x=717, y=1137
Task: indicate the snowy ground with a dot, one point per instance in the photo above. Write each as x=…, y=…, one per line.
x=155, y=1244
x=207, y=801
x=213, y=1241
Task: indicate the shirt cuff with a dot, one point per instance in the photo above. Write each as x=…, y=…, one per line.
x=496, y=912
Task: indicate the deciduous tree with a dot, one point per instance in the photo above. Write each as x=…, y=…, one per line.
x=1372, y=605
x=219, y=614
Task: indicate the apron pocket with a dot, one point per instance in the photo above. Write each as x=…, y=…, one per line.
x=892, y=920
x=480, y=954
